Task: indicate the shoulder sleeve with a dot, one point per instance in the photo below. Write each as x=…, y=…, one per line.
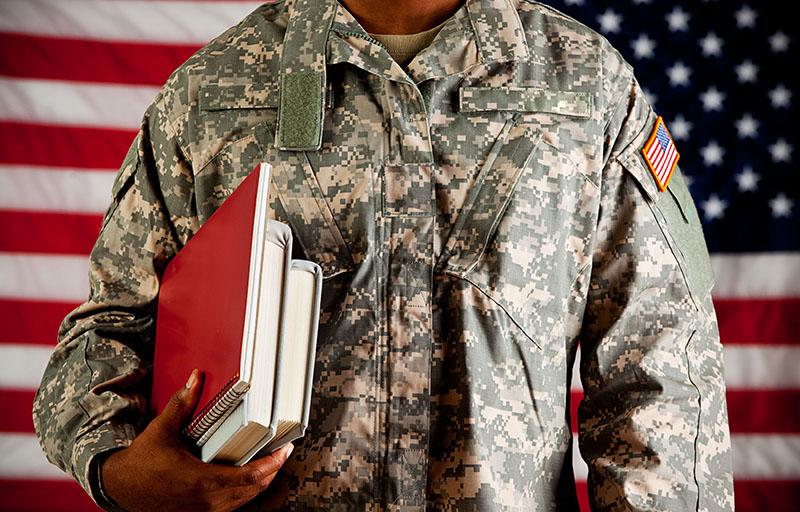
x=93, y=395
x=653, y=424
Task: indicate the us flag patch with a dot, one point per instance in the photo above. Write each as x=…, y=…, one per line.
x=660, y=154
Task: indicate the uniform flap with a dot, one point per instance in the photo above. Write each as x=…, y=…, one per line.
x=230, y=96
x=524, y=99
x=308, y=213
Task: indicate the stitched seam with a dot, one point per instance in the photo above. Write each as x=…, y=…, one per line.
x=699, y=415
x=213, y=157
x=480, y=288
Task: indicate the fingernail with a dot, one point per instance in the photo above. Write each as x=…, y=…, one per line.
x=289, y=450
x=192, y=379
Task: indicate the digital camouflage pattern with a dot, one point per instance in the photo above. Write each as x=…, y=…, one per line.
x=475, y=215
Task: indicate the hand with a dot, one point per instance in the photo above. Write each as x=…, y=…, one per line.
x=159, y=472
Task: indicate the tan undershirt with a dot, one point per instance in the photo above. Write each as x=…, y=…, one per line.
x=403, y=47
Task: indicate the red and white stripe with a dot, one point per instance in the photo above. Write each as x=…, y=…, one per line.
x=64, y=130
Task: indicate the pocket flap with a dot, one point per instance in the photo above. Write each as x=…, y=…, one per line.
x=307, y=211
x=489, y=196
x=524, y=99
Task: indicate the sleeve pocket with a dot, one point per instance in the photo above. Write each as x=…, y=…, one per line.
x=684, y=224
x=675, y=212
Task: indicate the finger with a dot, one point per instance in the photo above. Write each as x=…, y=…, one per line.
x=238, y=496
x=261, y=471
x=181, y=405
x=257, y=473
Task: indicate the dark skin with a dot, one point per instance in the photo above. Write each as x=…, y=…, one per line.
x=158, y=471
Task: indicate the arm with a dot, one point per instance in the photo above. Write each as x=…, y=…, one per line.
x=93, y=397
x=91, y=411
x=653, y=424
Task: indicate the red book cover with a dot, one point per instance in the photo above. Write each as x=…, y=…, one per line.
x=202, y=302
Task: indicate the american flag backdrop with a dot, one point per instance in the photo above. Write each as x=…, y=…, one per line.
x=77, y=75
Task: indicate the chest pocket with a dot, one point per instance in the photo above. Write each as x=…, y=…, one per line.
x=677, y=216
x=515, y=237
x=303, y=207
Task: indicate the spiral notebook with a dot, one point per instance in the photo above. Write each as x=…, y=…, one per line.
x=249, y=430
x=222, y=303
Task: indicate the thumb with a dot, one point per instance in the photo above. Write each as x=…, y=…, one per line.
x=268, y=464
x=181, y=405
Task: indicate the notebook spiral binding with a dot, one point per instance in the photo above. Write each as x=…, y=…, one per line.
x=219, y=406
x=210, y=432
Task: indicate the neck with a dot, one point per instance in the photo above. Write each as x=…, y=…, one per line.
x=400, y=16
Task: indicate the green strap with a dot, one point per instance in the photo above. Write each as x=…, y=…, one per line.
x=302, y=92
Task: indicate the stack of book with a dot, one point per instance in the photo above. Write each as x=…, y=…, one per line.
x=233, y=303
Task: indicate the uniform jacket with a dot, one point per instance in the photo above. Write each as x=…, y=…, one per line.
x=477, y=216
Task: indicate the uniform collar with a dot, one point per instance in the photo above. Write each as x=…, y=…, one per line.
x=323, y=32
x=480, y=31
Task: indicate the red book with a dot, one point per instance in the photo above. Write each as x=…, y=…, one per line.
x=206, y=306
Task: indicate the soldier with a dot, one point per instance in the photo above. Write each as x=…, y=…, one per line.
x=478, y=212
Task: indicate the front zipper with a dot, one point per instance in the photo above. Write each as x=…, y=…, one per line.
x=362, y=36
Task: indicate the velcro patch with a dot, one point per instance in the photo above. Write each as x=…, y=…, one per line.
x=660, y=154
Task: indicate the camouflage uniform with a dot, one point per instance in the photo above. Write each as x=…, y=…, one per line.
x=475, y=215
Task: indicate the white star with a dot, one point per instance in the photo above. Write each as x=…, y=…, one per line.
x=680, y=128
x=679, y=74
x=781, y=151
x=711, y=45
x=641, y=1
x=780, y=96
x=747, y=71
x=747, y=126
x=609, y=21
x=748, y=180
x=643, y=47
x=714, y=208
x=779, y=42
x=712, y=153
x=746, y=17
x=678, y=20
x=781, y=205
x=574, y=2
x=712, y=99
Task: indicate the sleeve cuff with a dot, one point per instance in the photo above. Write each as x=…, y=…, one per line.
x=96, y=482
x=89, y=452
